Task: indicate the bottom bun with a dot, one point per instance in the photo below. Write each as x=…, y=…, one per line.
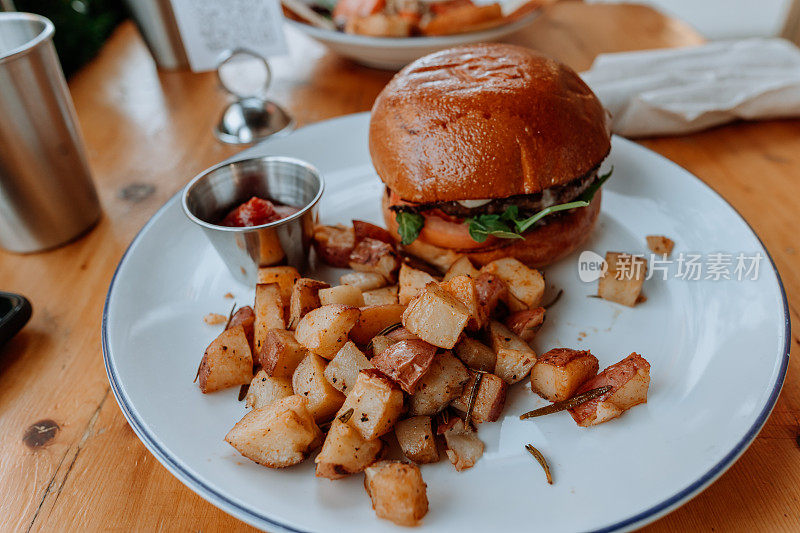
x=540, y=247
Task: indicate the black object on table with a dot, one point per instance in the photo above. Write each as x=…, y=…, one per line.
x=15, y=311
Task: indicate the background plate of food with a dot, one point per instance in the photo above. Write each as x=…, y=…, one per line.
x=694, y=353
x=390, y=34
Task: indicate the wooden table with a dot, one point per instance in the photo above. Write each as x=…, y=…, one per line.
x=148, y=132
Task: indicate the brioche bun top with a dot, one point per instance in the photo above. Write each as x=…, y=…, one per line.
x=485, y=121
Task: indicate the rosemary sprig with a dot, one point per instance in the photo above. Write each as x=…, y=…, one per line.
x=230, y=315
x=243, y=391
x=344, y=417
x=566, y=404
x=542, y=461
x=472, y=396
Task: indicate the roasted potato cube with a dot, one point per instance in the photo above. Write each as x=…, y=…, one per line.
x=343, y=295
x=441, y=258
x=269, y=312
x=416, y=439
x=333, y=244
x=324, y=330
x=491, y=291
x=464, y=448
x=436, y=316
x=629, y=379
x=476, y=355
x=377, y=403
x=278, y=435
x=383, y=296
x=443, y=382
x=463, y=288
x=622, y=282
x=514, y=357
x=309, y=382
x=345, y=452
x=265, y=389
x=281, y=353
x=659, y=244
x=374, y=319
x=526, y=324
x=401, y=334
x=284, y=276
x=397, y=492
x=305, y=298
x=525, y=284
x=226, y=362
x=365, y=230
x=380, y=343
x=462, y=267
x=489, y=401
x=245, y=317
x=558, y=373
x=364, y=281
x=372, y=255
x=405, y=362
x=411, y=282
x=343, y=369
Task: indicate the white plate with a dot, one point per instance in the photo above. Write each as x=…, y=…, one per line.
x=718, y=351
x=394, y=53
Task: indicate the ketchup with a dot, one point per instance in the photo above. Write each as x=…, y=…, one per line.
x=257, y=211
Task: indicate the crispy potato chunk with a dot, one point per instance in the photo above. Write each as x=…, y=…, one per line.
x=380, y=343
x=491, y=291
x=382, y=296
x=630, y=379
x=364, y=281
x=380, y=25
x=281, y=353
x=622, y=282
x=345, y=452
x=462, y=267
x=526, y=324
x=377, y=403
x=411, y=283
x=324, y=330
x=464, y=448
x=436, y=316
x=463, y=288
x=659, y=244
x=265, y=389
x=333, y=244
x=269, y=312
x=372, y=255
x=343, y=295
x=279, y=435
x=366, y=230
x=559, y=372
x=525, y=284
x=476, y=355
x=284, y=276
x=439, y=257
x=343, y=369
x=397, y=492
x=245, y=317
x=443, y=382
x=226, y=362
x=514, y=357
x=416, y=439
x=309, y=382
x=305, y=298
x=405, y=362
x=489, y=401
x=374, y=319
x=463, y=18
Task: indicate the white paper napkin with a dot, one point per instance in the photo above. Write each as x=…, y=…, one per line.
x=681, y=90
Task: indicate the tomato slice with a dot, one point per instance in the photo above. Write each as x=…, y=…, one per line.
x=451, y=232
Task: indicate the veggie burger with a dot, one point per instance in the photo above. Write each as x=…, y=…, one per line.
x=489, y=150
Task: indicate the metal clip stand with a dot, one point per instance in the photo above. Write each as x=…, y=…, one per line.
x=251, y=117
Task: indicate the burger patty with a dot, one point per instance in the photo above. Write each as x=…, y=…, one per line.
x=528, y=204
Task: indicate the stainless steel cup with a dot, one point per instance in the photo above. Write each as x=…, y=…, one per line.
x=159, y=28
x=46, y=192
x=213, y=193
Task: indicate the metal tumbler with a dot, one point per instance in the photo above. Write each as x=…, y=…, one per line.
x=46, y=193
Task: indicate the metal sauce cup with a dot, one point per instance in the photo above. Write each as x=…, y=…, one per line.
x=219, y=189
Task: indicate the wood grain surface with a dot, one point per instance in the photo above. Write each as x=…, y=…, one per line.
x=68, y=459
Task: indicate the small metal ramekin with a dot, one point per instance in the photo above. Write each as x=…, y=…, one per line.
x=217, y=190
